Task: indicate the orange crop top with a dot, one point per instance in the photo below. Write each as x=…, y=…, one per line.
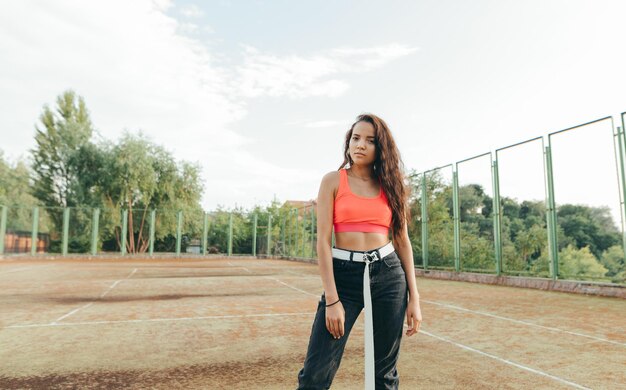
x=354, y=213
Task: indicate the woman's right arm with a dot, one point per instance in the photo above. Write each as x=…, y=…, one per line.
x=325, y=200
x=335, y=314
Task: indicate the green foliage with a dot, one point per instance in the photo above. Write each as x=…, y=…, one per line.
x=15, y=194
x=14, y=186
x=292, y=230
x=55, y=171
x=580, y=263
x=476, y=249
x=524, y=233
x=242, y=231
x=440, y=229
x=574, y=263
x=529, y=245
x=592, y=226
x=613, y=260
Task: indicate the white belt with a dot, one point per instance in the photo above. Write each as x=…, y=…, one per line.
x=367, y=258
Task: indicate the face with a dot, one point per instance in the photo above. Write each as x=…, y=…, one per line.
x=362, y=146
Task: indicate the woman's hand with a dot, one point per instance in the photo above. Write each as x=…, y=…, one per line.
x=335, y=317
x=413, y=316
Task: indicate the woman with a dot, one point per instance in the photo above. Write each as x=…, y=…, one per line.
x=364, y=203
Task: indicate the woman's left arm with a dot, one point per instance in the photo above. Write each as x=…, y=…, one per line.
x=403, y=247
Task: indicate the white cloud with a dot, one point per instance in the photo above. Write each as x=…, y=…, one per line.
x=291, y=76
x=299, y=77
x=162, y=5
x=188, y=28
x=373, y=57
x=191, y=11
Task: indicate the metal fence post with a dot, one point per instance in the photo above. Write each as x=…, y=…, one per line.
x=3, y=227
x=424, y=223
x=497, y=238
x=303, y=232
x=282, y=234
x=230, y=234
x=623, y=146
x=205, y=232
x=290, y=228
x=269, y=234
x=457, y=221
x=254, y=223
x=551, y=215
x=621, y=142
x=294, y=233
x=95, y=223
x=312, y=233
x=66, y=229
x=296, y=240
x=124, y=231
x=179, y=227
x=151, y=233
x=34, y=235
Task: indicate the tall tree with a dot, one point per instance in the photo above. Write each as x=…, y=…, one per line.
x=139, y=176
x=59, y=137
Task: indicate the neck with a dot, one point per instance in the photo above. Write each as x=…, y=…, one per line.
x=363, y=172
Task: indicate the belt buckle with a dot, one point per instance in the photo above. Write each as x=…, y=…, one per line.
x=369, y=257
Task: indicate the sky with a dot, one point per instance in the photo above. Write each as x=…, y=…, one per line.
x=261, y=93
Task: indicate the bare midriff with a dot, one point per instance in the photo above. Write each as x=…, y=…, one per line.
x=360, y=241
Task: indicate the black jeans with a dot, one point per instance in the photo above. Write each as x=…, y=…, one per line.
x=389, y=301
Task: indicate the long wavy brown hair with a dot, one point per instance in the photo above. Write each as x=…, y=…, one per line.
x=388, y=168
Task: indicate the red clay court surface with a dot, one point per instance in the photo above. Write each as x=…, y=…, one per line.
x=244, y=323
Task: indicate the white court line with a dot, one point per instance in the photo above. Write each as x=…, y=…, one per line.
x=155, y=320
x=524, y=322
x=279, y=281
x=233, y=265
x=116, y=282
x=19, y=269
x=300, y=274
x=55, y=322
x=292, y=287
x=70, y=313
x=244, y=268
x=282, y=270
x=534, y=371
x=112, y=286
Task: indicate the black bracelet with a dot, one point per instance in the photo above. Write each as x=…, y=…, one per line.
x=337, y=301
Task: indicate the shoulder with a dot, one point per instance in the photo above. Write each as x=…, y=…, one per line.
x=332, y=176
x=331, y=179
x=330, y=182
